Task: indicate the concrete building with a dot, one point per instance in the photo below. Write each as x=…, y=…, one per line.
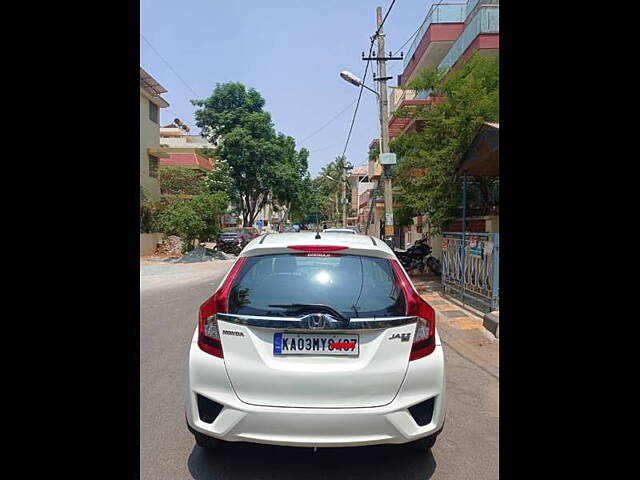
x=184, y=149
x=450, y=34
x=373, y=175
x=361, y=188
x=150, y=152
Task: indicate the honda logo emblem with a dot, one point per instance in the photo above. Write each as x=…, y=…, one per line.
x=316, y=321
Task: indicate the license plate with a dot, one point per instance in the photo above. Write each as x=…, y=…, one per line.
x=315, y=344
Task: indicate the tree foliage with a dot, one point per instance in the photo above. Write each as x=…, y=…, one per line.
x=195, y=219
x=256, y=164
x=425, y=174
x=180, y=180
x=220, y=180
x=148, y=212
x=329, y=192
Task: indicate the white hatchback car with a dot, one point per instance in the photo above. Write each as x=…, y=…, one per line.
x=316, y=342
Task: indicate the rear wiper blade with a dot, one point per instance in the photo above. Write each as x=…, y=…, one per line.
x=306, y=306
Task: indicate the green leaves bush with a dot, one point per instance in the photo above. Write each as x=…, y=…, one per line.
x=425, y=173
x=195, y=219
x=179, y=180
x=148, y=212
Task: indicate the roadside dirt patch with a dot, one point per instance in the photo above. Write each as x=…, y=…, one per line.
x=467, y=323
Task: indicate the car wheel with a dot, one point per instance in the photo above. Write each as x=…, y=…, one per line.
x=206, y=442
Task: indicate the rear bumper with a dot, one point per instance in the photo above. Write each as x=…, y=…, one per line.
x=315, y=427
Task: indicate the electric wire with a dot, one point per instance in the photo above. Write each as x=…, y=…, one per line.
x=364, y=76
x=328, y=123
x=169, y=65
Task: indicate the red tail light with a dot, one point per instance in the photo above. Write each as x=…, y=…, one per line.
x=208, y=334
x=424, y=341
x=317, y=248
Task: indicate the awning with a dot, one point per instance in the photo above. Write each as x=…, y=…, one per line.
x=151, y=86
x=482, y=158
x=190, y=160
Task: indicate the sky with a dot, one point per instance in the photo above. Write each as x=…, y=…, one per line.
x=291, y=51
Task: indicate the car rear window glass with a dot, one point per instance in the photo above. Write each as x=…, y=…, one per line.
x=356, y=286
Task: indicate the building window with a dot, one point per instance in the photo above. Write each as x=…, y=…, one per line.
x=153, y=167
x=154, y=112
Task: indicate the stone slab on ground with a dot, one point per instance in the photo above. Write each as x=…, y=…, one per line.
x=202, y=254
x=491, y=321
x=430, y=287
x=454, y=313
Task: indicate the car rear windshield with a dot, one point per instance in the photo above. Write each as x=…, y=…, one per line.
x=356, y=286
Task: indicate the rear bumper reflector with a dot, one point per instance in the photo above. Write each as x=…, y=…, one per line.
x=423, y=412
x=208, y=410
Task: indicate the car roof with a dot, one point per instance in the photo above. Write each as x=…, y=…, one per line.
x=356, y=244
x=345, y=230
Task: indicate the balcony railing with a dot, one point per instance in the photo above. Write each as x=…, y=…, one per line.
x=486, y=20
x=472, y=4
x=400, y=96
x=442, y=13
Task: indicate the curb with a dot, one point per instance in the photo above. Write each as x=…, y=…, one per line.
x=491, y=321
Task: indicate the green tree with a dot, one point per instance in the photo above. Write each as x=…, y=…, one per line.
x=260, y=164
x=425, y=174
x=220, y=180
x=195, y=219
x=148, y=212
x=209, y=207
x=180, y=180
x=329, y=184
x=290, y=179
x=179, y=218
x=304, y=209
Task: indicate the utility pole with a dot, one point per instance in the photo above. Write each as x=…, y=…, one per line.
x=343, y=178
x=384, y=118
x=384, y=127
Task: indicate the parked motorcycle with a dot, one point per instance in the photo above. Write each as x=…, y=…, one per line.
x=417, y=256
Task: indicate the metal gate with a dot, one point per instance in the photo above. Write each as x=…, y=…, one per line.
x=472, y=273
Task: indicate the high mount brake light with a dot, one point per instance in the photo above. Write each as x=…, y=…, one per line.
x=317, y=248
x=424, y=341
x=208, y=334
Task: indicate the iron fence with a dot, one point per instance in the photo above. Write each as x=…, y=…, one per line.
x=472, y=273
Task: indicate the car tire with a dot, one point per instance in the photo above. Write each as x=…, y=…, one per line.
x=206, y=442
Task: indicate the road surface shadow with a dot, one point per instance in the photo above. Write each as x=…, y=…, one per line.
x=253, y=461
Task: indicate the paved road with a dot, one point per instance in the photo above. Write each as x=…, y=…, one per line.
x=467, y=449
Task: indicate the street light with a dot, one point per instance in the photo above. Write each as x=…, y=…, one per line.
x=351, y=78
x=384, y=133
